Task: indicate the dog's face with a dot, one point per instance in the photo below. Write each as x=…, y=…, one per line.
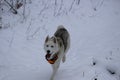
x=51, y=45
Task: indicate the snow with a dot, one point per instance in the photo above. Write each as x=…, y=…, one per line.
x=94, y=28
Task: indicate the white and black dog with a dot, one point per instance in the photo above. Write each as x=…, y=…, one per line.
x=56, y=48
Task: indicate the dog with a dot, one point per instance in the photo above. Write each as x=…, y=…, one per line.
x=56, y=48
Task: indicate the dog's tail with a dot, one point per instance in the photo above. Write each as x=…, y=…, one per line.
x=60, y=27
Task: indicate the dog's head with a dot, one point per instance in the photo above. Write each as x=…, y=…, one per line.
x=51, y=45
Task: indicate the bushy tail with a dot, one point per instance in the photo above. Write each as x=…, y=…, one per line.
x=60, y=27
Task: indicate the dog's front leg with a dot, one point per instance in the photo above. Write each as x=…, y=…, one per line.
x=55, y=69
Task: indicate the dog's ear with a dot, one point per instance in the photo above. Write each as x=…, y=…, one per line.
x=47, y=38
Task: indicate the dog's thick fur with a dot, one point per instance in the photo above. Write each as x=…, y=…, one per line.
x=57, y=44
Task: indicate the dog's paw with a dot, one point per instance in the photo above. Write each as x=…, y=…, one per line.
x=64, y=59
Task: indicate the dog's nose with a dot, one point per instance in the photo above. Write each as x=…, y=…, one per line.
x=48, y=51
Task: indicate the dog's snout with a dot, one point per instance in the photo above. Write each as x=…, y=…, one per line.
x=48, y=51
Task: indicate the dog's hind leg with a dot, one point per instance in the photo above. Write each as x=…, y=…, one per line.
x=68, y=46
x=64, y=58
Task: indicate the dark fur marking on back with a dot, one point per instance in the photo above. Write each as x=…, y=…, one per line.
x=63, y=34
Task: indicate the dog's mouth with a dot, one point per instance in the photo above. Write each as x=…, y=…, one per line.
x=51, y=58
x=48, y=55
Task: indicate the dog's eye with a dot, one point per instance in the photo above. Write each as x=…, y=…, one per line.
x=52, y=46
x=47, y=45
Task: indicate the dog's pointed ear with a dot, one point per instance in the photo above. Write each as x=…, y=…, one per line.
x=47, y=38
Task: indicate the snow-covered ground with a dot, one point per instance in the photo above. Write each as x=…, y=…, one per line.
x=94, y=27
